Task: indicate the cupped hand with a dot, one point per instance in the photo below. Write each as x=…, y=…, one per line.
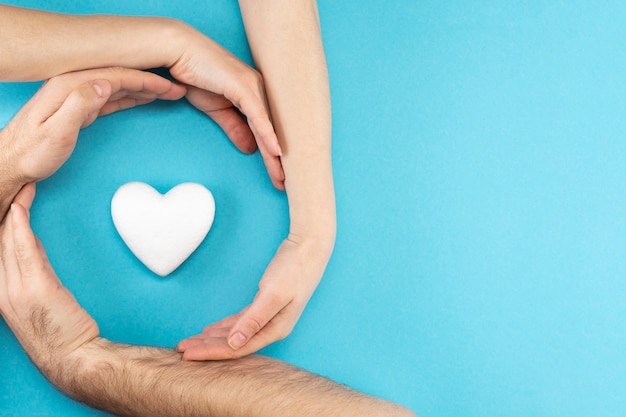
x=286, y=287
x=41, y=312
x=225, y=87
x=43, y=134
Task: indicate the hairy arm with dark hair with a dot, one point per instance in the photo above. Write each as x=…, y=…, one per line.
x=63, y=341
x=43, y=134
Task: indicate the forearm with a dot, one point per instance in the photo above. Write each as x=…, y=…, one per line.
x=36, y=45
x=285, y=40
x=9, y=187
x=144, y=381
x=10, y=180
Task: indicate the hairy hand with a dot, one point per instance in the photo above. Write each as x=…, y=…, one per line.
x=284, y=290
x=42, y=136
x=44, y=316
x=225, y=86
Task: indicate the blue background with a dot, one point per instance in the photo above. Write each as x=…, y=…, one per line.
x=479, y=157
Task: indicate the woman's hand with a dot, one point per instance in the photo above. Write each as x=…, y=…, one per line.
x=286, y=287
x=221, y=80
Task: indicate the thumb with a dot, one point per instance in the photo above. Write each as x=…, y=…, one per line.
x=263, y=309
x=26, y=251
x=80, y=108
x=26, y=196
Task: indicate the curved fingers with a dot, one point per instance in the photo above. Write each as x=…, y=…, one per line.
x=217, y=348
x=222, y=111
x=264, y=308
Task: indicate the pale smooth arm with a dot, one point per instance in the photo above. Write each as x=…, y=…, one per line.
x=37, y=45
x=286, y=43
x=285, y=39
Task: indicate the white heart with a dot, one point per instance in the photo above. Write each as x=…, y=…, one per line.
x=162, y=230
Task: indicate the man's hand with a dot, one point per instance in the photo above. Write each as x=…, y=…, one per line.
x=43, y=315
x=43, y=134
x=288, y=283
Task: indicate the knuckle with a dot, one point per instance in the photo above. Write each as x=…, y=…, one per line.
x=21, y=253
x=79, y=99
x=254, y=324
x=55, y=82
x=271, y=296
x=252, y=80
x=115, y=70
x=256, y=79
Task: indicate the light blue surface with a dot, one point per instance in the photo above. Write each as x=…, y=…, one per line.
x=480, y=168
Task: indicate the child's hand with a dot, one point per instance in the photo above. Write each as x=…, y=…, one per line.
x=285, y=289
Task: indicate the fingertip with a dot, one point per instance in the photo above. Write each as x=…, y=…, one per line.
x=26, y=196
x=102, y=88
x=18, y=214
x=237, y=340
x=20, y=225
x=279, y=185
x=278, y=151
x=179, y=90
x=248, y=148
x=277, y=175
x=193, y=355
x=183, y=345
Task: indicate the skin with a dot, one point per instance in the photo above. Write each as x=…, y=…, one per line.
x=298, y=159
x=43, y=134
x=63, y=341
x=64, y=43
x=299, y=98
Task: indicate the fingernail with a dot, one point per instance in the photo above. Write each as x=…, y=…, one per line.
x=98, y=89
x=237, y=341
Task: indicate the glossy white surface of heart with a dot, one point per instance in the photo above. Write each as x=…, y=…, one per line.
x=162, y=230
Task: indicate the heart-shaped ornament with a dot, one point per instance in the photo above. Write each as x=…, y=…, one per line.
x=162, y=230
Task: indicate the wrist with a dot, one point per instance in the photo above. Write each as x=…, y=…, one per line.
x=69, y=373
x=315, y=231
x=11, y=180
x=317, y=243
x=178, y=34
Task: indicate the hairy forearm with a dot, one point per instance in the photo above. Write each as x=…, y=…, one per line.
x=285, y=40
x=36, y=45
x=8, y=191
x=144, y=381
x=10, y=181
